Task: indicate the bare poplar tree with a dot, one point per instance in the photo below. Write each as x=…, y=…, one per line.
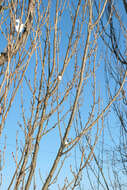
x=51, y=54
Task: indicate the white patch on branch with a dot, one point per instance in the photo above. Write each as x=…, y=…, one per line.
x=19, y=27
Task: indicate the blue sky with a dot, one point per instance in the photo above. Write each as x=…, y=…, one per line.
x=51, y=142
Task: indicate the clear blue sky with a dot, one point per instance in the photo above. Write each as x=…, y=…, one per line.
x=50, y=143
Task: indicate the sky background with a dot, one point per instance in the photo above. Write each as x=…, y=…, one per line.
x=50, y=143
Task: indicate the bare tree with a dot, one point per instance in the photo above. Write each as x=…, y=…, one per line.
x=54, y=65
x=115, y=39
